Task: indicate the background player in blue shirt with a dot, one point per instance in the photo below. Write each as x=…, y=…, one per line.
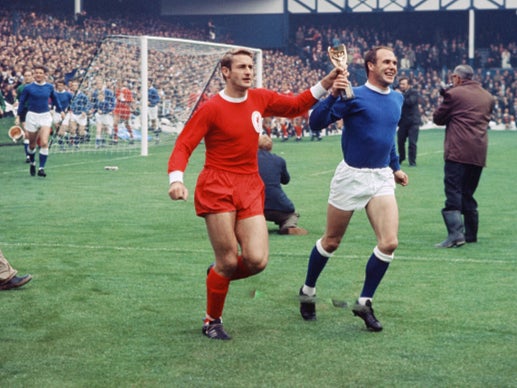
x=364, y=179
x=153, y=99
x=65, y=98
x=103, y=103
x=38, y=121
x=79, y=109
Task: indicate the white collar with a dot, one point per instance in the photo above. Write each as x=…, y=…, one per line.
x=226, y=97
x=377, y=89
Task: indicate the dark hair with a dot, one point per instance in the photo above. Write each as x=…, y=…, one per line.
x=41, y=67
x=404, y=78
x=371, y=56
x=227, y=59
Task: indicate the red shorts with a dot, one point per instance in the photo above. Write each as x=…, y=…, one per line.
x=122, y=111
x=220, y=191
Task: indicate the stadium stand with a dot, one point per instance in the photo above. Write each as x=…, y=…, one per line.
x=66, y=47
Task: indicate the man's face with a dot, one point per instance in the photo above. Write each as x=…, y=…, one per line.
x=27, y=77
x=455, y=79
x=240, y=76
x=382, y=73
x=39, y=75
x=403, y=85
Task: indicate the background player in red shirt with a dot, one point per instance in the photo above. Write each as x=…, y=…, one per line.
x=122, y=112
x=229, y=191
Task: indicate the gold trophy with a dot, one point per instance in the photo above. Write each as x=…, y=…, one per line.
x=338, y=57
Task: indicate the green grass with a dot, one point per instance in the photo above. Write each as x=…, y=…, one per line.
x=118, y=292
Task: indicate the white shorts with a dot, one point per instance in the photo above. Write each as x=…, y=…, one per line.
x=352, y=188
x=56, y=118
x=104, y=119
x=34, y=121
x=80, y=119
x=66, y=120
x=152, y=112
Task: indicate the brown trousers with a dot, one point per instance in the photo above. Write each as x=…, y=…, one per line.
x=6, y=271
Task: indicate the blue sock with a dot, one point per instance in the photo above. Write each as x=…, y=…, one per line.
x=375, y=270
x=31, y=154
x=43, y=155
x=316, y=264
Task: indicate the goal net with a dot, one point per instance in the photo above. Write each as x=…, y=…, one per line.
x=139, y=91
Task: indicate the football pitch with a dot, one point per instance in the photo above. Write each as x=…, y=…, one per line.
x=118, y=290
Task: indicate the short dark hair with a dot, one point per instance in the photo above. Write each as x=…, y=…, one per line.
x=371, y=56
x=405, y=78
x=227, y=59
x=41, y=67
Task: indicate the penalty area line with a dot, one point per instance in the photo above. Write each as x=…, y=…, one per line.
x=106, y=247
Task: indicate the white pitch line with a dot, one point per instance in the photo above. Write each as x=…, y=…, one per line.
x=272, y=255
x=57, y=166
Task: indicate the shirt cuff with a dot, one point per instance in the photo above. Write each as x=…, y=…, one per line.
x=318, y=91
x=175, y=176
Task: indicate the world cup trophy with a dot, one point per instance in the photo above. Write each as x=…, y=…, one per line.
x=338, y=57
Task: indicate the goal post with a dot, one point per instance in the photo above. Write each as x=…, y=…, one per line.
x=146, y=41
x=183, y=73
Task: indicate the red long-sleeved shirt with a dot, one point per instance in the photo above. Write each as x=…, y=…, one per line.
x=231, y=127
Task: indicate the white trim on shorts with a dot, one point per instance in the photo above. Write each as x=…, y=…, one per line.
x=352, y=188
x=34, y=121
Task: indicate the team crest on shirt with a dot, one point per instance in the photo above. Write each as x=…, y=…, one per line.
x=256, y=119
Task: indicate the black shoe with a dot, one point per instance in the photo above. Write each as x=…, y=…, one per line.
x=41, y=172
x=366, y=314
x=215, y=330
x=16, y=282
x=32, y=169
x=307, y=306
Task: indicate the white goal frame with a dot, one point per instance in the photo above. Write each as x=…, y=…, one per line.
x=144, y=42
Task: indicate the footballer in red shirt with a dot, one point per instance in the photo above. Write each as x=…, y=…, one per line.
x=229, y=192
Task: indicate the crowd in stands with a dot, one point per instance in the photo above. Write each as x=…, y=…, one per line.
x=427, y=64
x=66, y=46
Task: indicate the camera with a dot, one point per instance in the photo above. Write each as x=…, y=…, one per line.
x=444, y=88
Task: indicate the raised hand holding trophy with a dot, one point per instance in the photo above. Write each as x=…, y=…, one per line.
x=338, y=56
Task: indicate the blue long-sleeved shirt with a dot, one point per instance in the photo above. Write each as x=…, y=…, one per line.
x=370, y=124
x=107, y=105
x=37, y=97
x=64, y=97
x=80, y=103
x=153, y=97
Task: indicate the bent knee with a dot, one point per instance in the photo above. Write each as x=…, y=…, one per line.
x=330, y=244
x=257, y=265
x=388, y=246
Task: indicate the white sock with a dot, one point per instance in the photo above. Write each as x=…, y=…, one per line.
x=362, y=300
x=309, y=291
